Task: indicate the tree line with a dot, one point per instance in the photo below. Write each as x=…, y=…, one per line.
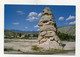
x=65, y=36
x=12, y=35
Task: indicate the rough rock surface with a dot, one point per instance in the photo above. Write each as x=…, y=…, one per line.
x=48, y=38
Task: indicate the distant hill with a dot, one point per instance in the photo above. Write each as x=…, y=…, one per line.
x=67, y=29
x=64, y=29
x=13, y=30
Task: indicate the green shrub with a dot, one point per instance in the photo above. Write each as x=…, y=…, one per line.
x=8, y=49
x=66, y=37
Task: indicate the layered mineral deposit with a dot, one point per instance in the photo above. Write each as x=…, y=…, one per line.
x=48, y=38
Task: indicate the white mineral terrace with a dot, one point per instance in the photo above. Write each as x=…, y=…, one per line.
x=48, y=38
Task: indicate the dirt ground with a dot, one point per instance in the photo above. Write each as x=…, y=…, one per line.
x=24, y=46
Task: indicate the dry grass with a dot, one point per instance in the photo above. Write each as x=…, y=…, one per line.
x=35, y=48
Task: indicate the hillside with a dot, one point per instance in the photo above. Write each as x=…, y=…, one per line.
x=64, y=29
x=67, y=29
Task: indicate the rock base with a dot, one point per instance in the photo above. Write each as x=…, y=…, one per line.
x=50, y=45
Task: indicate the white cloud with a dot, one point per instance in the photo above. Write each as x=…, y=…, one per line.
x=20, y=12
x=32, y=18
x=38, y=29
x=39, y=14
x=36, y=26
x=61, y=18
x=73, y=22
x=70, y=17
x=32, y=14
x=16, y=23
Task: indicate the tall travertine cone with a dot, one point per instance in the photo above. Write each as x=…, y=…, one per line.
x=48, y=38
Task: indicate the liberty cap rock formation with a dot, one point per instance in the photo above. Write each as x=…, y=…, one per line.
x=48, y=38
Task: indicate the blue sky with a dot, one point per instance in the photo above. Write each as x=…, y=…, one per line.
x=26, y=17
